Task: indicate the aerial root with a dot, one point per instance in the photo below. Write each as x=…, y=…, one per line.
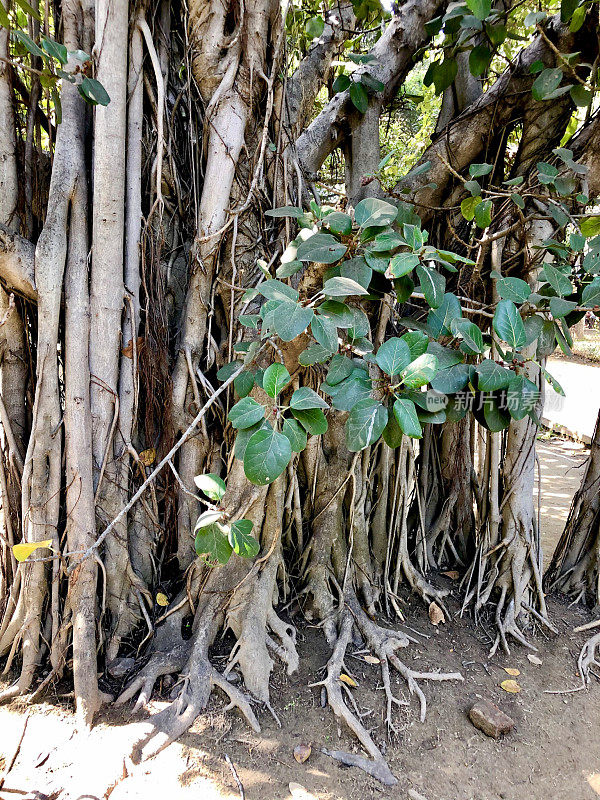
x=384, y=644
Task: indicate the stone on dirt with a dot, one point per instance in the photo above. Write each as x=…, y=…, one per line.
x=486, y=716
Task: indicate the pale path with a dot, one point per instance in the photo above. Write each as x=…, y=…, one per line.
x=577, y=412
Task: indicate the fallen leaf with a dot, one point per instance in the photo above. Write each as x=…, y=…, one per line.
x=512, y=671
x=436, y=615
x=148, y=457
x=302, y=752
x=372, y=660
x=511, y=686
x=347, y=679
x=594, y=781
x=162, y=599
x=452, y=573
x=22, y=551
x=299, y=792
x=534, y=659
x=128, y=349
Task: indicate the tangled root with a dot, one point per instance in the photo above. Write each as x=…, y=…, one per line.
x=384, y=643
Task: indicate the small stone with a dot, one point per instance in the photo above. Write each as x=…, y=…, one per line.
x=488, y=718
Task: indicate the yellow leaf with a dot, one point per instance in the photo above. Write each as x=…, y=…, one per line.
x=302, y=752
x=436, y=615
x=372, y=660
x=510, y=686
x=147, y=457
x=162, y=599
x=24, y=550
x=512, y=671
x=347, y=679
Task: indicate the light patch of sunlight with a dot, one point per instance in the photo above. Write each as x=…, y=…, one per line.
x=594, y=781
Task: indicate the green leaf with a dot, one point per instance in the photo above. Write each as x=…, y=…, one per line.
x=558, y=280
x=591, y=294
x=406, y=414
x=28, y=43
x=402, y=264
x=28, y=9
x=314, y=27
x=342, y=287
x=420, y=371
x=359, y=96
x=581, y=96
x=433, y=285
x=267, y=454
x=4, y=18
x=553, y=382
x=478, y=170
x=547, y=340
x=244, y=383
x=517, y=200
x=365, y=424
x=93, y=92
x=340, y=84
x=480, y=8
x=339, y=369
x=546, y=82
x=285, y=211
x=508, y=324
x=522, y=397
x=496, y=418
x=325, y=332
x=560, y=308
x=469, y=333
x=468, y=206
x=314, y=354
x=55, y=50
x=567, y=7
x=393, y=356
x=277, y=290
x=322, y=248
x=492, y=376
x=372, y=212
x=392, y=433
x=211, y=485
x=483, y=213
x=246, y=413
x=275, y=379
x=312, y=419
x=479, y=60
x=339, y=223
x=295, y=434
x=439, y=319
x=590, y=226
x=371, y=83
x=242, y=542
x=453, y=379
x=243, y=437
x=417, y=343
x=305, y=398
x=290, y=320
x=446, y=356
x=513, y=289
x=213, y=542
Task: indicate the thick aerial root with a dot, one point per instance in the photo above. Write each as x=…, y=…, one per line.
x=384, y=644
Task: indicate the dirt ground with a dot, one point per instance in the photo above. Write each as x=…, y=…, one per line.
x=553, y=752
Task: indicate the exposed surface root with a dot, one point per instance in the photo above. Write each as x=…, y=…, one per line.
x=588, y=658
x=384, y=643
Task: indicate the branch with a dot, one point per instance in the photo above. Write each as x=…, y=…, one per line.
x=17, y=263
x=509, y=99
x=312, y=72
x=394, y=52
